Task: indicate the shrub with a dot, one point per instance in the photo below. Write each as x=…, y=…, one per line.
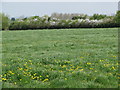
x=98, y=16
x=117, y=18
x=83, y=21
x=79, y=17
x=5, y=21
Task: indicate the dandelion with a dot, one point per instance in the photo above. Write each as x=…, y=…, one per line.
x=113, y=68
x=63, y=66
x=91, y=68
x=11, y=72
x=4, y=79
x=101, y=60
x=81, y=69
x=34, y=74
x=114, y=56
x=45, y=80
x=4, y=74
x=88, y=63
x=40, y=76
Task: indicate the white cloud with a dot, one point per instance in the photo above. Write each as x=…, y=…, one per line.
x=60, y=0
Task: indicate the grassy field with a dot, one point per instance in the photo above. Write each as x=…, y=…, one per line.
x=74, y=58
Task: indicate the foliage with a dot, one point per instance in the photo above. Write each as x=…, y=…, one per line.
x=117, y=18
x=98, y=17
x=5, y=21
x=58, y=21
x=79, y=17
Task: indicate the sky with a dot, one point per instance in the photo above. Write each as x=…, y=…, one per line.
x=17, y=9
x=60, y=0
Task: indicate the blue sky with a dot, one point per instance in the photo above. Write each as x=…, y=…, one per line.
x=17, y=9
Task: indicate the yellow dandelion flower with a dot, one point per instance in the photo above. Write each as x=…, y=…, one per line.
x=45, y=80
x=4, y=79
x=81, y=69
x=40, y=76
x=12, y=73
x=113, y=68
x=91, y=68
x=101, y=60
x=20, y=68
x=88, y=63
x=63, y=66
x=37, y=77
x=34, y=74
x=114, y=56
x=4, y=74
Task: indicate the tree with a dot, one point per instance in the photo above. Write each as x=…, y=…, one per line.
x=5, y=21
x=117, y=18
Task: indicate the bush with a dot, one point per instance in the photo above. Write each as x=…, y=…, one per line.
x=79, y=17
x=98, y=17
x=5, y=21
x=83, y=21
x=117, y=18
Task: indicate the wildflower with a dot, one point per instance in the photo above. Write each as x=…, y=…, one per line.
x=4, y=74
x=40, y=76
x=114, y=56
x=45, y=80
x=4, y=79
x=34, y=74
x=11, y=72
x=101, y=60
x=63, y=66
x=113, y=68
x=91, y=68
x=88, y=63
x=81, y=69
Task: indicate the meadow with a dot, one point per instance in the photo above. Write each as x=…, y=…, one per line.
x=64, y=58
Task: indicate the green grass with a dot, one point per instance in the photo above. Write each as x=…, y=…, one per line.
x=74, y=58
